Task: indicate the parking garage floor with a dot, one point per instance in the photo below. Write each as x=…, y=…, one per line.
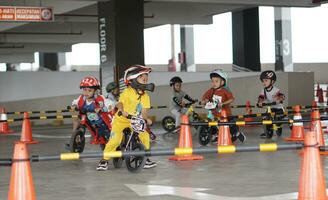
x=246, y=176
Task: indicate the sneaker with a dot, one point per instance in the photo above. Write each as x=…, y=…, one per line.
x=149, y=164
x=233, y=138
x=241, y=136
x=103, y=165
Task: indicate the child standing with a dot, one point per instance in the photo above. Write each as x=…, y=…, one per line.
x=134, y=100
x=271, y=94
x=220, y=97
x=94, y=106
x=177, y=106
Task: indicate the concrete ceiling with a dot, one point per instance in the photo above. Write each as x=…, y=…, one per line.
x=76, y=21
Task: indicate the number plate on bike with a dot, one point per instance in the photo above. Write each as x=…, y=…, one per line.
x=92, y=116
x=138, y=124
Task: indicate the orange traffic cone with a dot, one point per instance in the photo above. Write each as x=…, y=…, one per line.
x=224, y=136
x=312, y=180
x=314, y=104
x=26, y=136
x=185, y=141
x=297, y=133
x=4, y=127
x=248, y=111
x=317, y=128
x=21, y=182
x=318, y=88
x=320, y=96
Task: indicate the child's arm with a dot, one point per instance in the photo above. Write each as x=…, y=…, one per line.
x=144, y=114
x=119, y=107
x=279, y=97
x=205, y=97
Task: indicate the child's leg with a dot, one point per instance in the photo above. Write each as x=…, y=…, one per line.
x=176, y=114
x=145, y=140
x=116, y=136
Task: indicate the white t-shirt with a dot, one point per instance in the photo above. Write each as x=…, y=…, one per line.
x=270, y=96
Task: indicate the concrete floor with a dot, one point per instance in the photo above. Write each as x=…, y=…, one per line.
x=236, y=176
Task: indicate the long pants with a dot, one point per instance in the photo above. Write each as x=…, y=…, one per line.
x=116, y=136
x=177, y=114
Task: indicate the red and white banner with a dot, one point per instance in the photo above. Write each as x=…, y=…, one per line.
x=26, y=14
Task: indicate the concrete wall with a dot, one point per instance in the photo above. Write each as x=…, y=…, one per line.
x=298, y=88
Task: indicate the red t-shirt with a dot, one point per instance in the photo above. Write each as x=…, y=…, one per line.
x=225, y=96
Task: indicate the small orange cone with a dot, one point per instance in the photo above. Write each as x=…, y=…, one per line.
x=314, y=104
x=185, y=141
x=317, y=128
x=21, y=185
x=4, y=127
x=312, y=180
x=297, y=133
x=318, y=88
x=320, y=96
x=224, y=136
x=26, y=136
x=248, y=111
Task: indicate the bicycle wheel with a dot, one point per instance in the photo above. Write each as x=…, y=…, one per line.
x=77, y=141
x=135, y=163
x=168, y=123
x=204, y=135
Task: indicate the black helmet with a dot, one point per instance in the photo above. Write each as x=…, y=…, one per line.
x=269, y=74
x=111, y=86
x=174, y=80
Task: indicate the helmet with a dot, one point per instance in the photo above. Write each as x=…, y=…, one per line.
x=174, y=80
x=269, y=74
x=134, y=71
x=131, y=75
x=90, y=82
x=111, y=86
x=219, y=73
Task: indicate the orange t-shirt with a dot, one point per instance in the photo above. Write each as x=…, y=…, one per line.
x=225, y=96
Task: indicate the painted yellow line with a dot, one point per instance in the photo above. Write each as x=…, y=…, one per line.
x=69, y=156
x=112, y=154
x=183, y=151
x=226, y=149
x=268, y=147
x=212, y=123
x=240, y=123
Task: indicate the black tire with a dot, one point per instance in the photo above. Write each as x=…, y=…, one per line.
x=77, y=141
x=204, y=135
x=168, y=123
x=135, y=163
x=118, y=162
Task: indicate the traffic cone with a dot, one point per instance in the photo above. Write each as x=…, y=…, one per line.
x=314, y=104
x=26, y=136
x=297, y=133
x=317, y=128
x=224, y=136
x=320, y=96
x=312, y=180
x=185, y=141
x=21, y=185
x=4, y=127
x=248, y=111
x=318, y=88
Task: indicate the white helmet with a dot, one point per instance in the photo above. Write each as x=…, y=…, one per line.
x=134, y=71
x=219, y=73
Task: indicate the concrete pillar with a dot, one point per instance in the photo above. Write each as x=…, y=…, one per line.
x=49, y=61
x=121, y=24
x=187, y=46
x=283, y=39
x=246, y=40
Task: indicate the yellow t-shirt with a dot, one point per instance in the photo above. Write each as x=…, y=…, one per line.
x=133, y=102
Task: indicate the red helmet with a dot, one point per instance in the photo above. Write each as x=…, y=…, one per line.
x=134, y=71
x=90, y=82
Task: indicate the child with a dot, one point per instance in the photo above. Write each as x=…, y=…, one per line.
x=113, y=91
x=271, y=94
x=177, y=106
x=94, y=106
x=134, y=100
x=221, y=97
